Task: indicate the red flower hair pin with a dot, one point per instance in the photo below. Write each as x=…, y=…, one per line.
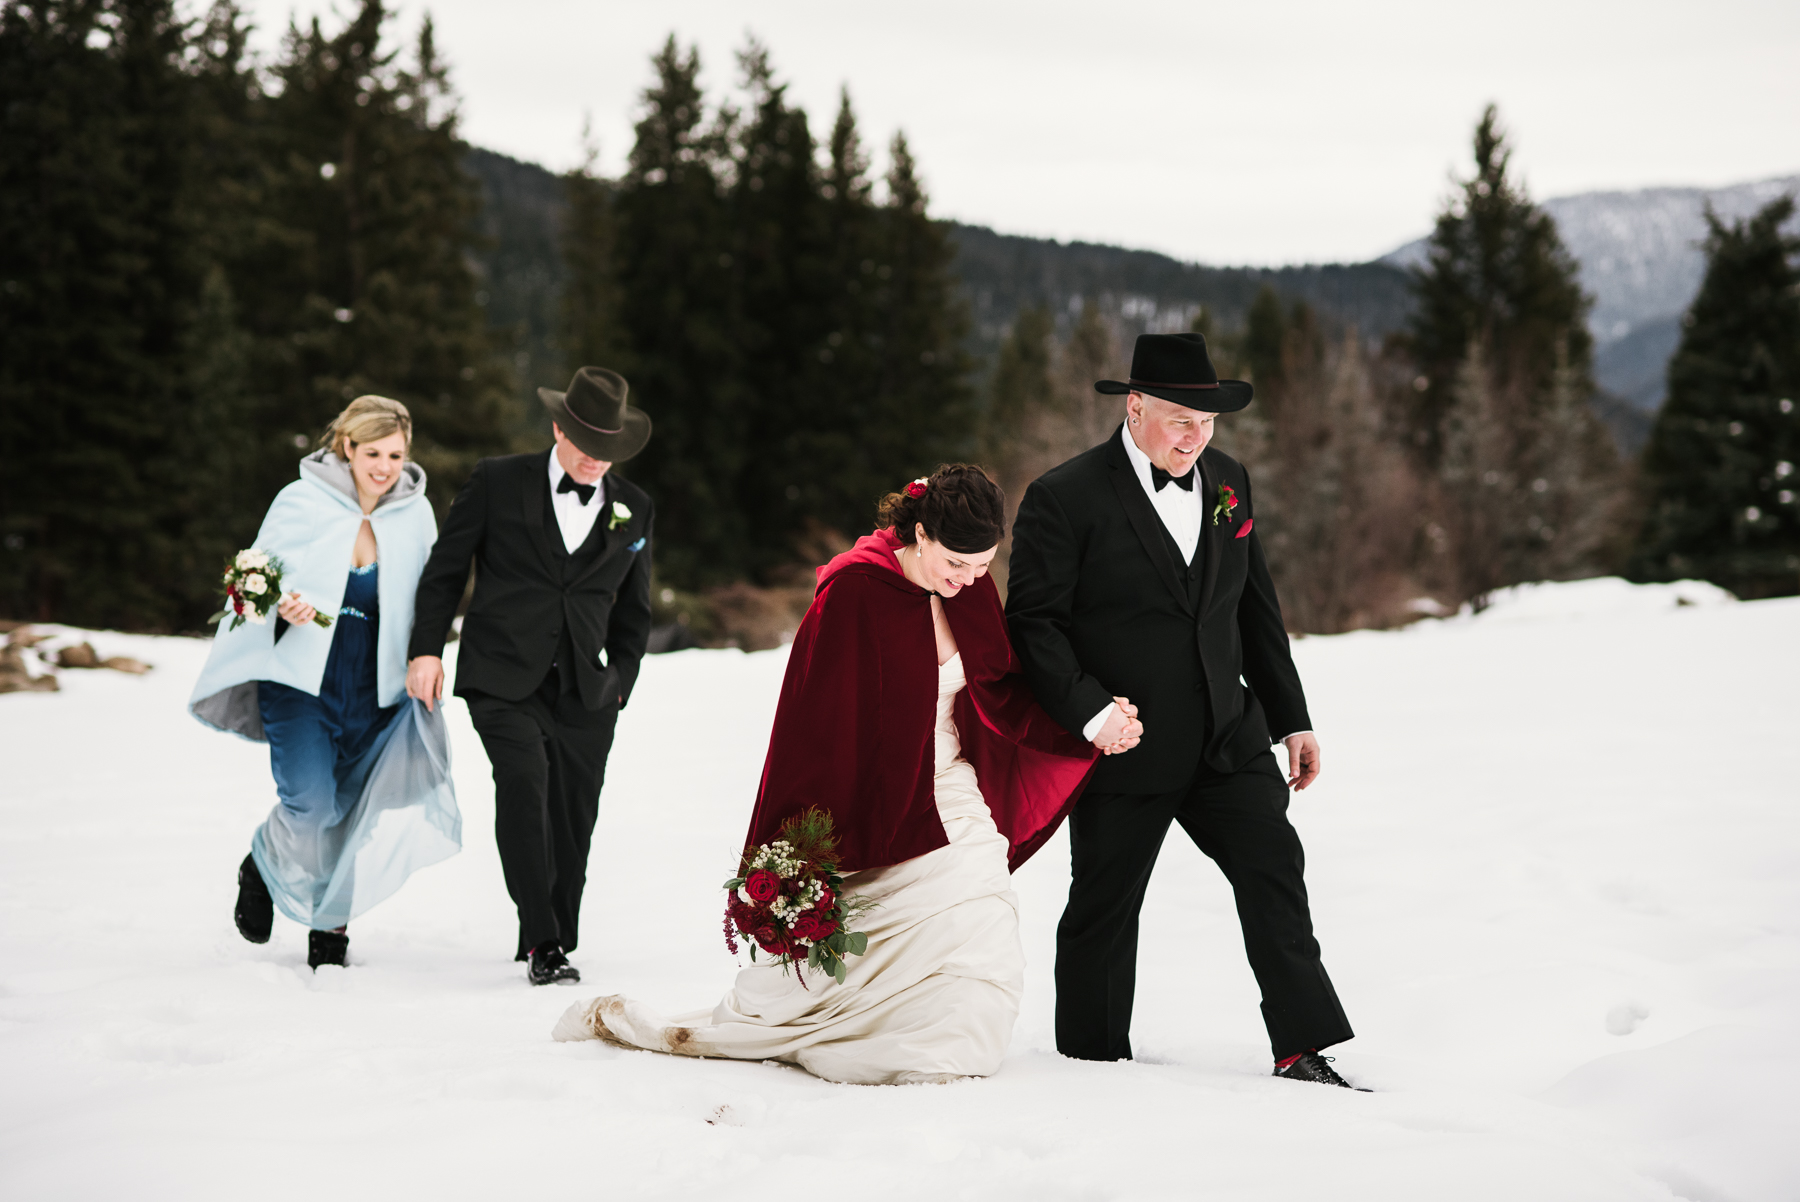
x=917, y=487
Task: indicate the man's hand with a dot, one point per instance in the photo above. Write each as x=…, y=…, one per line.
x=1303, y=760
x=1121, y=730
x=296, y=611
x=425, y=680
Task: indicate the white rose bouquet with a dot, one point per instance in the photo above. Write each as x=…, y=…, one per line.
x=253, y=589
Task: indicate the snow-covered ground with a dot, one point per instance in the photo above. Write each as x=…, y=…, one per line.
x=1553, y=865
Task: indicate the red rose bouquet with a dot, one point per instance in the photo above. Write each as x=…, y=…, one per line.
x=253, y=589
x=788, y=900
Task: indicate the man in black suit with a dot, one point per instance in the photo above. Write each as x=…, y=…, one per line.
x=551, y=643
x=1135, y=574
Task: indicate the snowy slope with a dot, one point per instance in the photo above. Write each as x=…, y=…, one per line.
x=1552, y=859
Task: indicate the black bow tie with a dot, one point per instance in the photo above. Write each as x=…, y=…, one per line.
x=1158, y=477
x=584, y=491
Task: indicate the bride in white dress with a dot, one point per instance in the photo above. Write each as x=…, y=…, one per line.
x=936, y=995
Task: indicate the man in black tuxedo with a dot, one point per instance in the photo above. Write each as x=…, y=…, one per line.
x=1135, y=574
x=551, y=643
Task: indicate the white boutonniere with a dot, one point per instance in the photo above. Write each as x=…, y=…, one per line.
x=621, y=513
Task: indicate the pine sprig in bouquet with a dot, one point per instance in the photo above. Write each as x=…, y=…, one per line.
x=253, y=589
x=788, y=900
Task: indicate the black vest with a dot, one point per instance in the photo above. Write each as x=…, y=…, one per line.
x=1193, y=574
x=562, y=667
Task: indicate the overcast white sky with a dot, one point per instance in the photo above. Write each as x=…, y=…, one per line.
x=1253, y=132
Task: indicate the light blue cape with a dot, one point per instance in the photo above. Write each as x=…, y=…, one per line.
x=312, y=527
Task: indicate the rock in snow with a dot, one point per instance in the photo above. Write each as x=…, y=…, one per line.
x=1552, y=860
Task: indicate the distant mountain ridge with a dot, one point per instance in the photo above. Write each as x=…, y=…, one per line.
x=1640, y=258
x=1638, y=253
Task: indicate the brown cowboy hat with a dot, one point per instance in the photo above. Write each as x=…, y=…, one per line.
x=594, y=415
x=1177, y=368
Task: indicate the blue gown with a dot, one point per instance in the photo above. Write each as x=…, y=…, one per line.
x=359, y=810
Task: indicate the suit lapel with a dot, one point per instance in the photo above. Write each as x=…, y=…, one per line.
x=1212, y=537
x=537, y=490
x=1143, y=519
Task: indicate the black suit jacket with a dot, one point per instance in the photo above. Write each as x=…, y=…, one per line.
x=1100, y=606
x=529, y=590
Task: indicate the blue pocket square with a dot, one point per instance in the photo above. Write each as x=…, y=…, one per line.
x=637, y=546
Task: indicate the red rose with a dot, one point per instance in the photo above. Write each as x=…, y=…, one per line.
x=769, y=939
x=815, y=924
x=916, y=489
x=747, y=916
x=762, y=886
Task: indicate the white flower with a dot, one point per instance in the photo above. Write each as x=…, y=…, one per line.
x=621, y=511
x=252, y=559
x=252, y=616
x=254, y=584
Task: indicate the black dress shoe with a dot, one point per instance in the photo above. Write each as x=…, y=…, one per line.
x=255, y=911
x=1316, y=1068
x=548, y=965
x=326, y=947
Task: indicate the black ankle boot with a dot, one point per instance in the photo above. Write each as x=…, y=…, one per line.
x=255, y=908
x=548, y=966
x=1316, y=1068
x=326, y=947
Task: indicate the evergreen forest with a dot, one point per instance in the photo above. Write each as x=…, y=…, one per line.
x=204, y=256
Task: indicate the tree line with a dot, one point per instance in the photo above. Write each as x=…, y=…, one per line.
x=1463, y=453
x=204, y=256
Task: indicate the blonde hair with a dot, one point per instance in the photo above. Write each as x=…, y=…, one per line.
x=366, y=419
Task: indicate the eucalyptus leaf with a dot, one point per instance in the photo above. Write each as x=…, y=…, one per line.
x=735, y=882
x=859, y=943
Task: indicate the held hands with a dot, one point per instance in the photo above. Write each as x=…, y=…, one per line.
x=425, y=680
x=1303, y=760
x=1121, y=730
x=295, y=611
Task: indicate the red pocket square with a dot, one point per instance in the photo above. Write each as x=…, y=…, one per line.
x=1245, y=528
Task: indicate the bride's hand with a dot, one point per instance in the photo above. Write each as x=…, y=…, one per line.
x=1121, y=730
x=296, y=611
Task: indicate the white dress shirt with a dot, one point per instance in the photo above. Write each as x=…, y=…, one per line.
x=1183, y=514
x=574, y=519
x=1178, y=507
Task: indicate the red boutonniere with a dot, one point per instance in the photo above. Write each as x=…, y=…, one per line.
x=1225, y=504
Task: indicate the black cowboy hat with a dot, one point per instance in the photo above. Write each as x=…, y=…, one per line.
x=594, y=415
x=1176, y=367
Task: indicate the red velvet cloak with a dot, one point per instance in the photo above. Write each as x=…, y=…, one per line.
x=853, y=729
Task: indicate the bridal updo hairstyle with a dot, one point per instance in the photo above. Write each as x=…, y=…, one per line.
x=366, y=419
x=961, y=508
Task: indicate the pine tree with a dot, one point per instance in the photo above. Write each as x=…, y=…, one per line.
x=1020, y=386
x=1720, y=467
x=1498, y=271
x=673, y=267
x=1092, y=353
x=784, y=314
x=1500, y=336
x=923, y=411
x=590, y=333
x=103, y=207
x=361, y=280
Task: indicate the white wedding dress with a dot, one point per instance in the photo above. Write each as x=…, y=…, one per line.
x=935, y=997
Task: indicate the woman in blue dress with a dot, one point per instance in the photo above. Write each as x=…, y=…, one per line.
x=361, y=774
